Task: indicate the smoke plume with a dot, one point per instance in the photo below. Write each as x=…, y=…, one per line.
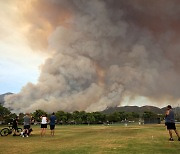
x=101, y=52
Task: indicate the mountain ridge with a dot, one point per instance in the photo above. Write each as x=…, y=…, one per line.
x=136, y=109
x=2, y=97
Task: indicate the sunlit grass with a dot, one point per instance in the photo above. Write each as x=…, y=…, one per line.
x=94, y=139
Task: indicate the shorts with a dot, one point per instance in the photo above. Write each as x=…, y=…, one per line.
x=14, y=127
x=43, y=125
x=171, y=126
x=26, y=126
x=52, y=127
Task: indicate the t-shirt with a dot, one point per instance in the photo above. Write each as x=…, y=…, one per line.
x=52, y=120
x=170, y=118
x=27, y=120
x=44, y=120
x=15, y=123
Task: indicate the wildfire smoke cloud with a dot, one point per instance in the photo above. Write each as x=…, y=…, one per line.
x=102, y=54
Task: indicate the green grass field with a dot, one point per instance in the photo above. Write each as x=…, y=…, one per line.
x=94, y=139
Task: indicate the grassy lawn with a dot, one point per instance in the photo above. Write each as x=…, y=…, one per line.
x=94, y=139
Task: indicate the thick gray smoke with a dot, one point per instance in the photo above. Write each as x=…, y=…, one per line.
x=102, y=55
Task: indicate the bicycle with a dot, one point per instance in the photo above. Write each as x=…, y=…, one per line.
x=8, y=130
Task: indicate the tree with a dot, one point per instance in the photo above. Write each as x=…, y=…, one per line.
x=148, y=115
x=90, y=118
x=4, y=113
x=123, y=116
x=114, y=117
x=82, y=117
x=37, y=114
x=69, y=117
x=99, y=117
x=21, y=116
x=76, y=117
x=9, y=118
x=61, y=117
x=135, y=115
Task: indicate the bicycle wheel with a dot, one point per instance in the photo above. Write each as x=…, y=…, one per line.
x=18, y=132
x=4, y=132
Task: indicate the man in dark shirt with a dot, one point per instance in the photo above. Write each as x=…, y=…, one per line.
x=170, y=122
x=15, y=125
x=52, y=123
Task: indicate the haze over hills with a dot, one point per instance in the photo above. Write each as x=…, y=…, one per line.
x=136, y=109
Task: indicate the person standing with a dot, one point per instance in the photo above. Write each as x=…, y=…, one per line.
x=27, y=122
x=170, y=123
x=43, y=124
x=52, y=123
x=15, y=125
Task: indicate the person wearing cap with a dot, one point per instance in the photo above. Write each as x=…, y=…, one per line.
x=170, y=123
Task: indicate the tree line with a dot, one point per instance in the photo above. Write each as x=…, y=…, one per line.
x=79, y=117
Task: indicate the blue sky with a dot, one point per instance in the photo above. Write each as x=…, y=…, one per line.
x=18, y=65
x=13, y=76
x=16, y=68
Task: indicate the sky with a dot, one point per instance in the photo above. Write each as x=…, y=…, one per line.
x=19, y=64
x=89, y=55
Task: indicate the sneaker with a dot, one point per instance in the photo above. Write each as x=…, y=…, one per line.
x=171, y=139
x=179, y=139
x=23, y=136
x=27, y=136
